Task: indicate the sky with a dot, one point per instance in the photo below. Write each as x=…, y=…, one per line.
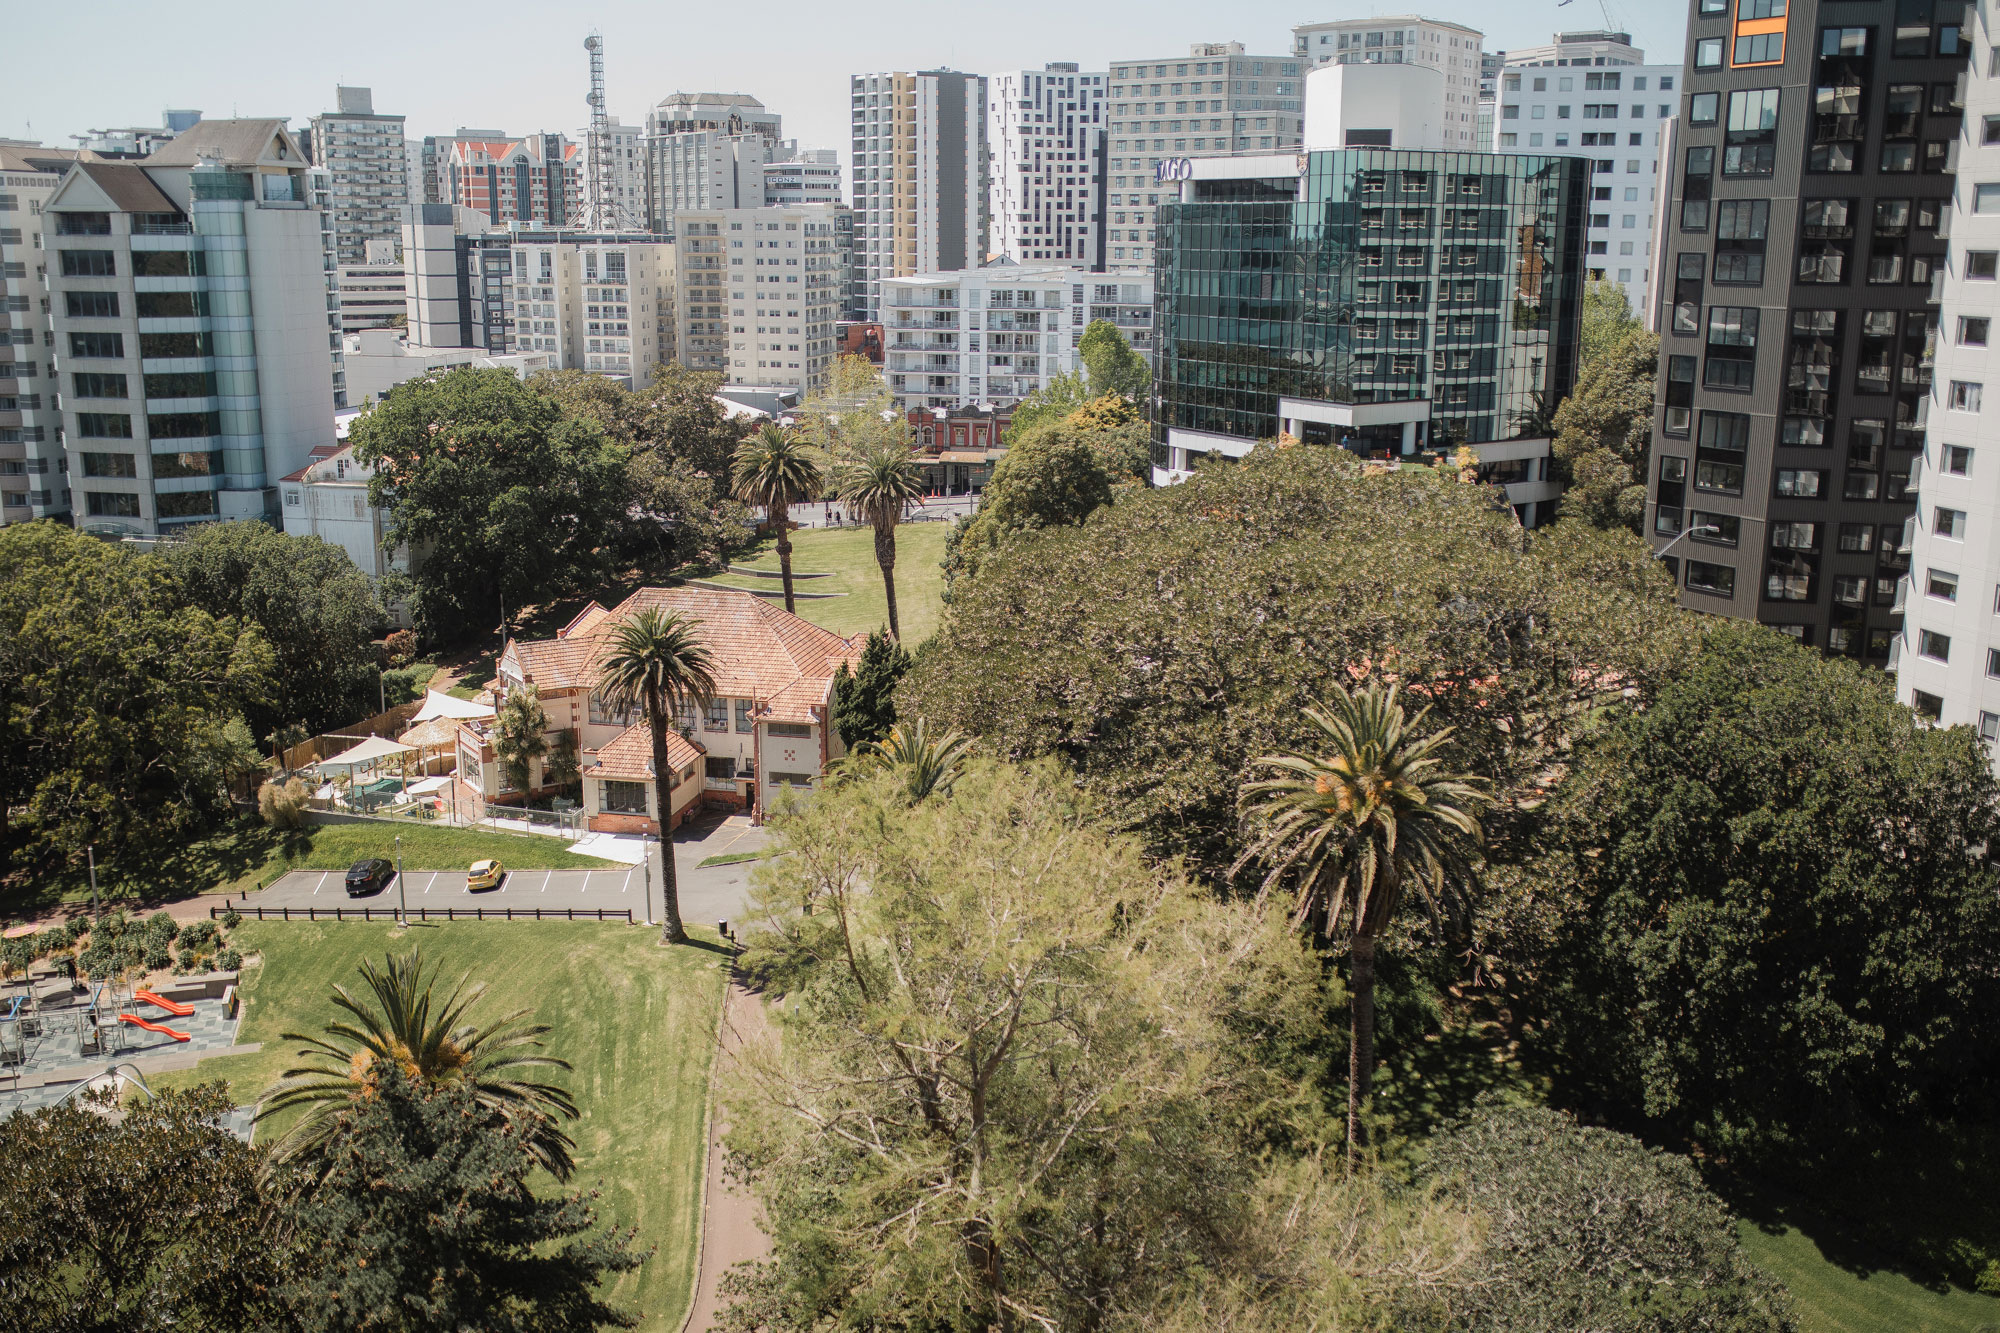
x=521, y=67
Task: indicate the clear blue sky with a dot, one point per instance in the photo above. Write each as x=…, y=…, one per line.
x=521, y=67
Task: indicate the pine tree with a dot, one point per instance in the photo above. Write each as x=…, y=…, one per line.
x=864, y=704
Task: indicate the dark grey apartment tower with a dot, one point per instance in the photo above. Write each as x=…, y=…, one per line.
x=1804, y=222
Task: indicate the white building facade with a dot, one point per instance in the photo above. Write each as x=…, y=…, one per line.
x=989, y=337
x=1592, y=95
x=781, y=269
x=1406, y=39
x=625, y=156
x=921, y=173
x=1212, y=102
x=796, y=175
x=1947, y=658
x=33, y=480
x=1046, y=131
x=368, y=173
x=704, y=151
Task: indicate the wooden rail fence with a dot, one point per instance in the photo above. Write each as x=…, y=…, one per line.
x=427, y=913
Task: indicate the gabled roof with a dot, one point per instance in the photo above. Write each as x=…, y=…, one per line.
x=629, y=754
x=240, y=143
x=124, y=185
x=34, y=157
x=760, y=651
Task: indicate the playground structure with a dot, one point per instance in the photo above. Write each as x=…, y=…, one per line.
x=55, y=1031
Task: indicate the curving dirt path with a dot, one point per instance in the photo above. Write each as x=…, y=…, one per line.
x=730, y=1233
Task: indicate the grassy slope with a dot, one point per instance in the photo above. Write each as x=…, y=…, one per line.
x=248, y=854
x=636, y=1021
x=1853, y=1295
x=848, y=554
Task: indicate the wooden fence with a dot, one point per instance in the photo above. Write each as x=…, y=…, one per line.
x=330, y=743
x=427, y=913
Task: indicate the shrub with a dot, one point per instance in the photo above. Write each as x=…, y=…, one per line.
x=231, y=919
x=199, y=933
x=283, y=805
x=229, y=960
x=161, y=929
x=400, y=648
x=158, y=958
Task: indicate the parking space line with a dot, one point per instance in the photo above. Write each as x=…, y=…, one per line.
x=626, y=886
x=547, y=875
x=322, y=880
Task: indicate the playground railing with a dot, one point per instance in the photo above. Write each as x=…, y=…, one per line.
x=427, y=913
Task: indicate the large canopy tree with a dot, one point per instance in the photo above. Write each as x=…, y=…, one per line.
x=317, y=610
x=500, y=495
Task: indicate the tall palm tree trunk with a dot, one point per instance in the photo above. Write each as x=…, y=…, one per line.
x=885, y=556
x=671, y=931
x=1361, y=1037
x=781, y=514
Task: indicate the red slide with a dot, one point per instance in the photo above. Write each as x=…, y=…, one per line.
x=174, y=1007
x=139, y=1022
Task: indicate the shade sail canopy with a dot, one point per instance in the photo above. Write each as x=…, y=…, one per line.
x=370, y=750
x=443, y=705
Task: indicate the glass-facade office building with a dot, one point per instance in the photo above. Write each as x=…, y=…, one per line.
x=1373, y=276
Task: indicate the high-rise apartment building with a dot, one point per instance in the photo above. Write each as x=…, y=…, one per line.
x=920, y=178
x=1806, y=223
x=369, y=180
x=1209, y=103
x=601, y=302
x=1948, y=654
x=706, y=151
x=319, y=193
x=1592, y=95
x=189, y=316
x=34, y=482
x=537, y=179
x=1046, y=129
x=371, y=293
x=992, y=336
x=781, y=269
x=796, y=175
x=1406, y=39
x=625, y=155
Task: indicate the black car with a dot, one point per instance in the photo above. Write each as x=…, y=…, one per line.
x=370, y=876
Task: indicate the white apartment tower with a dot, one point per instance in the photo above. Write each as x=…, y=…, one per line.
x=33, y=479
x=1592, y=95
x=1406, y=39
x=1212, y=102
x=1046, y=128
x=190, y=320
x=920, y=177
x=1947, y=658
x=368, y=174
x=796, y=175
x=780, y=271
x=705, y=151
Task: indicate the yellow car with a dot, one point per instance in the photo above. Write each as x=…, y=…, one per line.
x=484, y=875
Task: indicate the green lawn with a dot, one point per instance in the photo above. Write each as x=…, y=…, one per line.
x=847, y=555
x=249, y=854
x=1859, y=1291
x=637, y=1021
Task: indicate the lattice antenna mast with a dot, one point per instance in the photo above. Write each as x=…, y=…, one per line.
x=601, y=210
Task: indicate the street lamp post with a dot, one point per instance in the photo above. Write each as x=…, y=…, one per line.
x=646, y=872
x=1707, y=530
x=402, y=900
x=90, y=853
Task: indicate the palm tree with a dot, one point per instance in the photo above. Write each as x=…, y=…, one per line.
x=775, y=468
x=924, y=763
x=881, y=484
x=1352, y=827
x=433, y=1045
x=658, y=664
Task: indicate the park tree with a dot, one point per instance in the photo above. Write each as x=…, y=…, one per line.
x=1607, y=318
x=500, y=496
x=918, y=761
x=1019, y=1083
x=422, y=1218
x=1060, y=395
x=403, y=1029
x=864, y=703
x=775, y=469
x=1588, y=1228
x=521, y=736
x=149, y=1221
x=1604, y=434
x=680, y=419
x=317, y=610
x=880, y=485
x=688, y=519
x=853, y=413
x=1114, y=367
x=1184, y=630
x=585, y=393
x=114, y=692
x=1051, y=476
x=1782, y=923
x=657, y=663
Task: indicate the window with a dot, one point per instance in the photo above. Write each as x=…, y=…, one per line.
x=1708, y=54
x=1941, y=585
x=720, y=769
x=1762, y=48
x=92, y=345
x=1696, y=188
x=111, y=504
x=1718, y=478
x=1989, y=131
x=1926, y=705
x=1728, y=432
x=1801, y=483
x=1948, y=523
x=1717, y=579
x=797, y=730
x=89, y=264
x=717, y=718
x=1955, y=460
x=790, y=779
x=1934, y=645
x=85, y=384
x=1759, y=9
x=1750, y=138
x=1972, y=330
x=1680, y=396
x=1714, y=529
x=1986, y=197
x=1795, y=536
x=104, y=425
x=1732, y=347
x=623, y=798
x=1963, y=396
x=1858, y=537
x=1989, y=723
x=91, y=305
x=1740, y=226
x=1982, y=265
x=1704, y=108
x=1790, y=578
x=110, y=465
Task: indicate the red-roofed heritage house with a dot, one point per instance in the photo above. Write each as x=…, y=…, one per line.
x=765, y=731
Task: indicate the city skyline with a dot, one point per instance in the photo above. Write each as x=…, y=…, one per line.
x=233, y=68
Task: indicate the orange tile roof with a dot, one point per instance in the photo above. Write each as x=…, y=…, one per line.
x=629, y=754
x=760, y=651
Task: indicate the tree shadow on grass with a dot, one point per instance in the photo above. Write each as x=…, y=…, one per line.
x=1773, y=1209
x=148, y=876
